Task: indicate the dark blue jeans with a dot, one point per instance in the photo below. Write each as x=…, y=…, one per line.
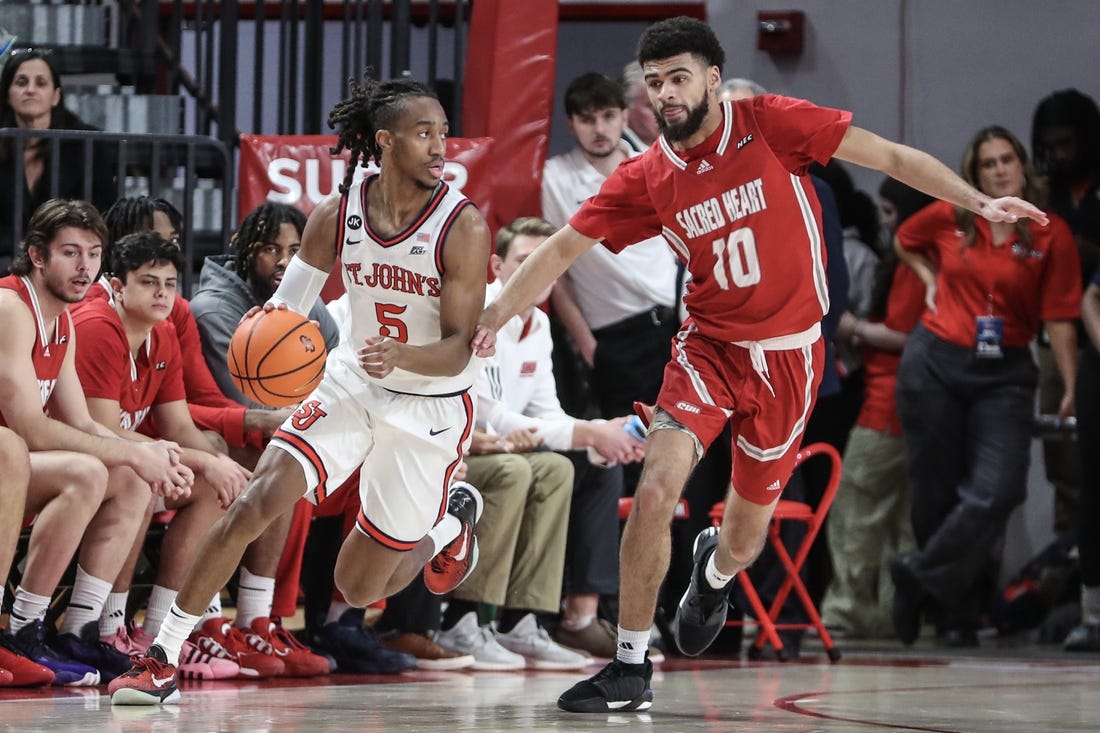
x=966, y=423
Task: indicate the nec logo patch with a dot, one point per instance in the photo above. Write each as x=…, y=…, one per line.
x=161, y=366
x=528, y=368
x=744, y=141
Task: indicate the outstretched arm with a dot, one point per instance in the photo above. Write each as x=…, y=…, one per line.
x=924, y=173
x=545, y=265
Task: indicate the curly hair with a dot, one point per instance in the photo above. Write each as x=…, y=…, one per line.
x=674, y=36
x=142, y=248
x=258, y=228
x=370, y=106
x=1068, y=108
x=133, y=214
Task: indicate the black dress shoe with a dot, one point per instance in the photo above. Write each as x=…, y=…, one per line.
x=909, y=598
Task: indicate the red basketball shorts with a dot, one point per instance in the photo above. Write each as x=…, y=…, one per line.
x=707, y=383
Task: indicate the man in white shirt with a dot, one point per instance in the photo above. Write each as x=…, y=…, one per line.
x=517, y=399
x=619, y=309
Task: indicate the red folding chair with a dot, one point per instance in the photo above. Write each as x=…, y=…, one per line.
x=790, y=511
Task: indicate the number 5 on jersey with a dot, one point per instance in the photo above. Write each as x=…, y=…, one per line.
x=389, y=324
x=736, y=260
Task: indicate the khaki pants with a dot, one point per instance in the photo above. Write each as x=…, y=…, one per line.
x=522, y=531
x=868, y=524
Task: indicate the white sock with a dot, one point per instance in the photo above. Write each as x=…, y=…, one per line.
x=114, y=614
x=714, y=578
x=576, y=624
x=255, y=595
x=86, y=603
x=27, y=608
x=174, y=630
x=336, y=610
x=1090, y=604
x=214, y=610
x=444, y=533
x=632, y=646
x=160, y=600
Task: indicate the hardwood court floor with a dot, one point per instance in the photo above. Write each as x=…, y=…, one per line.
x=890, y=689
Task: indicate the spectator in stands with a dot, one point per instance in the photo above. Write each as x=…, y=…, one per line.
x=85, y=481
x=518, y=406
x=1085, y=637
x=31, y=98
x=642, y=130
x=130, y=369
x=966, y=383
x=869, y=520
x=1065, y=140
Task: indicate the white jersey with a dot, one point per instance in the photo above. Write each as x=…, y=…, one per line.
x=608, y=287
x=394, y=284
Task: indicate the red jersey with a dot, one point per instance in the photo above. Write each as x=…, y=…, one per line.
x=740, y=212
x=1019, y=282
x=903, y=309
x=209, y=408
x=49, y=352
x=108, y=371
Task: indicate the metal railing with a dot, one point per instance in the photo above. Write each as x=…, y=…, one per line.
x=313, y=40
x=111, y=165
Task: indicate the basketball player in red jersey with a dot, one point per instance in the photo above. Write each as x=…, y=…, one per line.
x=395, y=397
x=84, y=480
x=726, y=185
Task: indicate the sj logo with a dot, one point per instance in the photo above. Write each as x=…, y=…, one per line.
x=307, y=414
x=307, y=343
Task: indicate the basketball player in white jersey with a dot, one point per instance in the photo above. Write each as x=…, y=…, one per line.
x=395, y=396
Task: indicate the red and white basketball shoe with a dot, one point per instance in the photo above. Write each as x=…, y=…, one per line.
x=267, y=635
x=220, y=639
x=456, y=561
x=150, y=681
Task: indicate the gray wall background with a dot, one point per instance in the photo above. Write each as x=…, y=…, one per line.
x=929, y=73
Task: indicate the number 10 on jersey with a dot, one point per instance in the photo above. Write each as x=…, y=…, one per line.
x=735, y=260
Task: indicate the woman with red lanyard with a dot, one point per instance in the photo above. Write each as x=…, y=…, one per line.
x=966, y=383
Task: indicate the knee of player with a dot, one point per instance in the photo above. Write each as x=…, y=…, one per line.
x=656, y=499
x=123, y=483
x=251, y=511
x=85, y=480
x=216, y=440
x=14, y=458
x=356, y=589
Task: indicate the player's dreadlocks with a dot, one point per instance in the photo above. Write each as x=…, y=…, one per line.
x=135, y=214
x=370, y=106
x=258, y=228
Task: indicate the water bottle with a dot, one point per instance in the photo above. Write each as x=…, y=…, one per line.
x=635, y=428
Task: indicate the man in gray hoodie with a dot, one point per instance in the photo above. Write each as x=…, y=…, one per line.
x=231, y=284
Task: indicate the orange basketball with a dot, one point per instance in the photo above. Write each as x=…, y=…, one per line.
x=277, y=358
